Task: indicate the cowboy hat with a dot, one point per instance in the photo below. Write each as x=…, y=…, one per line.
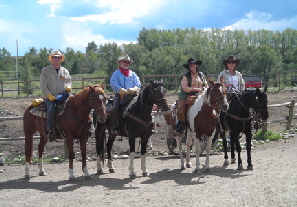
x=231, y=58
x=191, y=61
x=124, y=57
x=56, y=54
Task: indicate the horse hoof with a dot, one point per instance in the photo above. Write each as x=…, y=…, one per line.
x=132, y=176
x=189, y=165
x=27, y=177
x=233, y=161
x=112, y=170
x=226, y=163
x=250, y=167
x=42, y=173
x=71, y=179
x=240, y=167
x=89, y=177
x=182, y=167
x=196, y=171
x=99, y=172
x=208, y=170
x=145, y=174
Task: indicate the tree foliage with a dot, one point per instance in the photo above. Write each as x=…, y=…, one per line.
x=165, y=51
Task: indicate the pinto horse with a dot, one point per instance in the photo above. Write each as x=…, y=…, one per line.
x=202, y=119
x=74, y=122
x=238, y=120
x=137, y=122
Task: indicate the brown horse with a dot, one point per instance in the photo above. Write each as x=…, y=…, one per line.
x=74, y=123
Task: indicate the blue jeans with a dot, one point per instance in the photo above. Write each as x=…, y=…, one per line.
x=51, y=111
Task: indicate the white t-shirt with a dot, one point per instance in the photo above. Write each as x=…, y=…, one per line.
x=234, y=81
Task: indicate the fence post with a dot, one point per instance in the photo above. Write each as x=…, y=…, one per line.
x=290, y=115
x=82, y=82
x=279, y=82
x=264, y=127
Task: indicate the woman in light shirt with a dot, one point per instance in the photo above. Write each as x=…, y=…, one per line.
x=230, y=77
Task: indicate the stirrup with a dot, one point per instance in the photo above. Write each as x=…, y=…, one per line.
x=51, y=136
x=114, y=132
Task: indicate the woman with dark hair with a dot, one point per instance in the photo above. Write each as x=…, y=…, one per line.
x=230, y=77
x=191, y=83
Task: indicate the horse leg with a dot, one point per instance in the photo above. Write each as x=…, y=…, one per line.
x=109, y=145
x=43, y=141
x=189, y=143
x=144, y=140
x=223, y=136
x=182, y=163
x=100, y=147
x=208, y=150
x=149, y=144
x=69, y=143
x=198, y=151
x=28, y=153
x=132, y=156
x=233, y=137
x=83, y=149
x=248, y=136
x=238, y=149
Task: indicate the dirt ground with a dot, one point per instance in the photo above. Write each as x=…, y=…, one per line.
x=272, y=182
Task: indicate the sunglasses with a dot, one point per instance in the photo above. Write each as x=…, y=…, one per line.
x=126, y=62
x=231, y=62
x=56, y=57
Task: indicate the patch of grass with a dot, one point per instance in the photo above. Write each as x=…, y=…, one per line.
x=272, y=136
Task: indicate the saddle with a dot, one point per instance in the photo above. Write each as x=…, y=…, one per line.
x=40, y=111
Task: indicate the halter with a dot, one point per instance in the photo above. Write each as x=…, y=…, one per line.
x=216, y=99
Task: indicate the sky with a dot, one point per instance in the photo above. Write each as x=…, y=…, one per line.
x=58, y=24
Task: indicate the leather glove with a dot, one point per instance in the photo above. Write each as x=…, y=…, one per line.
x=37, y=102
x=122, y=92
x=135, y=89
x=51, y=97
x=68, y=89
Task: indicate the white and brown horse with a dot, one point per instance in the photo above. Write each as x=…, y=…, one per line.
x=202, y=118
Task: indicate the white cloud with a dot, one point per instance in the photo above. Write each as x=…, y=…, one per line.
x=54, y=4
x=49, y=2
x=260, y=20
x=120, y=11
x=77, y=36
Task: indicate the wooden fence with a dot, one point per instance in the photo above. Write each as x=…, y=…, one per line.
x=277, y=81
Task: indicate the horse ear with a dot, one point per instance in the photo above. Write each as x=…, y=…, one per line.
x=103, y=85
x=210, y=81
x=151, y=81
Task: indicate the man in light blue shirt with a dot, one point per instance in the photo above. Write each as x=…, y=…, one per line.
x=123, y=82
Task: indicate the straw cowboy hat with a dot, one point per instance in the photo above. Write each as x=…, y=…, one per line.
x=56, y=54
x=191, y=61
x=231, y=58
x=125, y=57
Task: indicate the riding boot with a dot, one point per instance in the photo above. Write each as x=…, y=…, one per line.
x=51, y=136
x=180, y=127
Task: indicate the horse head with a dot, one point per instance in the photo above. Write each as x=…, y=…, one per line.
x=157, y=94
x=98, y=101
x=217, y=95
x=260, y=104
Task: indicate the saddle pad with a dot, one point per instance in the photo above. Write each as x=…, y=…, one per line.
x=38, y=111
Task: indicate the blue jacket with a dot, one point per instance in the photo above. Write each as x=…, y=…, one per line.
x=118, y=81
